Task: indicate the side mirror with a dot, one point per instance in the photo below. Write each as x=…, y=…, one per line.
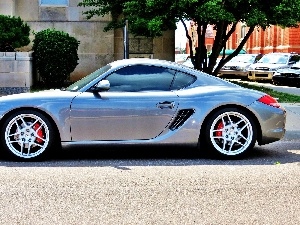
x=103, y=85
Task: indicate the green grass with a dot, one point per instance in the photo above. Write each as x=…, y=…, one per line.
x=280, y=96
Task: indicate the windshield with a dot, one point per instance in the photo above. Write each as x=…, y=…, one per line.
x=274, y=59
x=84, y=81
x=243, y=58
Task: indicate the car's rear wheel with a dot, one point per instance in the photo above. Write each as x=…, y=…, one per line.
x=27, y=136
x=230, y=133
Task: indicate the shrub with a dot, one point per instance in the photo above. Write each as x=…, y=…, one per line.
x=14, y=33
x=55, y=56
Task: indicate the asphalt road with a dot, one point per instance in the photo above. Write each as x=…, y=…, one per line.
x=154, y=186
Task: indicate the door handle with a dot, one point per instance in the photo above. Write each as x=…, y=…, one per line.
x=166, y=104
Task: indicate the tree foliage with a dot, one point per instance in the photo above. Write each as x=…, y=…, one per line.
x=152, y=17
x=14, y=33
x=55, y=54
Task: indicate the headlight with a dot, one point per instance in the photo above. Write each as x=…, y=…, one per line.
x=276, y=73
x=243, y=68
x=273, y=69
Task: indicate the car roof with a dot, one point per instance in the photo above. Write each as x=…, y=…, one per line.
x=149, y=62
x=134, y=61
x=281, y=53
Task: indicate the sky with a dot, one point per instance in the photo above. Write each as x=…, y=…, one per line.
x=180, y=38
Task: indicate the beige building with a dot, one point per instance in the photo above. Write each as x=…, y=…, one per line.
x=96, y=48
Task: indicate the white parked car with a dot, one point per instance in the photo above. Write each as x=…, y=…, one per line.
x=188, y=63
x=265, y=68
x=181, y=58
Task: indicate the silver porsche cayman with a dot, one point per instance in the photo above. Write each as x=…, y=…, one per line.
x=141, y=102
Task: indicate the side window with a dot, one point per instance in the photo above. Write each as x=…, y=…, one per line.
x=54, y=2
x=182, y=80
x=140, y=78
x=294, y=58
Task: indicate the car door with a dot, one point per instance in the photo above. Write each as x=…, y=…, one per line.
x=138, y=106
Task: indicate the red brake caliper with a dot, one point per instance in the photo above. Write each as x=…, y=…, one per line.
x=219, y=127
x=39, y=132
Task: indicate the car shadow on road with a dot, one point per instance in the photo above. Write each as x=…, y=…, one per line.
x=126, y=157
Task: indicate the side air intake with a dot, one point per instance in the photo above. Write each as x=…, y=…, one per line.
x=181, y=117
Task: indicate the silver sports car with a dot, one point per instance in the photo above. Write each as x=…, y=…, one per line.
x=141, y=101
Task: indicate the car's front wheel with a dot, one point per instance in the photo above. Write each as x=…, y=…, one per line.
x=27, y=135
x=276, y=83
x=230, y=133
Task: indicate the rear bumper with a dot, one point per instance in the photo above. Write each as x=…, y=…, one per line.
x=272, y=122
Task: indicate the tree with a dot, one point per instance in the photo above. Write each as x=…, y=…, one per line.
x=55, y=54
x=152, y=17
x=14, y=33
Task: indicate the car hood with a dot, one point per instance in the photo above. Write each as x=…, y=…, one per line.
x=43, y=100
x=289, y=70
x=258, y=66
x=243, y=64
x=46, y=94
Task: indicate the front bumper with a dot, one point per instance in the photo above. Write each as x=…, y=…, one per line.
x=233, y=72
x=284, y=80
x=260, y=75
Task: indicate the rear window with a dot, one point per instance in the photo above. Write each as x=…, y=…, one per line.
x=182, y=80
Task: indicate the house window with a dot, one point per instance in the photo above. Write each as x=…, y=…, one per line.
x=282, y=37
x=243, y=31
x=54, y=2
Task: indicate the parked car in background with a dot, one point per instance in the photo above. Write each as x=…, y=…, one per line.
x=265, y=68
x=288, y=76
x=141, y=102
x=238, y=65
x=188, y=63
x=181, y=58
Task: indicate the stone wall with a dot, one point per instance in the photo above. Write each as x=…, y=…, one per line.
x=97, y=48
x=15, y=72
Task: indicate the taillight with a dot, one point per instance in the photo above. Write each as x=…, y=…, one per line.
x=269, y=100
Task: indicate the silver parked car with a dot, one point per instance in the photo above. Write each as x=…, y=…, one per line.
x=141, y=101
x=265, y=68
x=238, y=65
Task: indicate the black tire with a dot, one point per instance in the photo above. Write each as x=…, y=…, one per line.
x=245, y=78
x=231, y=140
x=27, y=135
